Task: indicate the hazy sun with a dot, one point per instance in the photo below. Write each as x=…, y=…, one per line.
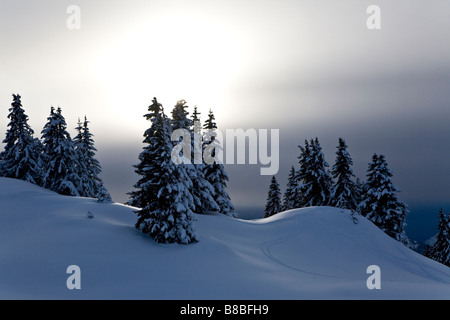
x=173, y=57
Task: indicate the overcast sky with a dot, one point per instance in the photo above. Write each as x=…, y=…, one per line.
x=308, y=68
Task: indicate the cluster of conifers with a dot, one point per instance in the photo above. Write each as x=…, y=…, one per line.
x=170, y=194
x=56, y=161
x=312, y=184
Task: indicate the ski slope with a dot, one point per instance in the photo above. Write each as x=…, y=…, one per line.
x=311, y=253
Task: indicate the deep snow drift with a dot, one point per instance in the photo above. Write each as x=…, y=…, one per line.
x=313, y=253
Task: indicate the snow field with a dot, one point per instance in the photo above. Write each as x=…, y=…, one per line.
x=311, y=253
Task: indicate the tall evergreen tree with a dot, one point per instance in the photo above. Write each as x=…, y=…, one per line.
x=345, y=192
x=21, y=156
x=180, y=118
x=197, y=143
x=210, y=123
x=273, y=204
x=195, y=115
x=380, y=203
x=86, y=188
x=440, y=249
x=90, y=167
x=60, y=172
x=163, y=191
x=313, y=177
x=215, y=172
x=290, y=196
x=202, y=190
x=150, y=158
x=301, y=174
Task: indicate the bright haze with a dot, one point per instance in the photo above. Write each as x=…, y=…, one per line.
x=308, y=68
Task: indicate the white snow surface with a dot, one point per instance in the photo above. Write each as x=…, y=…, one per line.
x=311, y=253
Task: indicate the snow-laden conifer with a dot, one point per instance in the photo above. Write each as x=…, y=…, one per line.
x=273, y=204
x=440, y=249
x=103, y=194
x=21, y=156
x=202, y=190
x=90, y=167
x=86, y=188
x=380, y=203
x=290, y=196
x=61, y=166
x=215, y=172
x=345, y=193
x=162, y=193
x=313, y=178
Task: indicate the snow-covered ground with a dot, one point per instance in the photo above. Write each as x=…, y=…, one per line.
x=312, y=253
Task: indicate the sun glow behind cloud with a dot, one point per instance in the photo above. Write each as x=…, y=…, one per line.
x=172, y=57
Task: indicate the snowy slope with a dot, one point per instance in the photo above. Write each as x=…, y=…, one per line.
x=314, y=253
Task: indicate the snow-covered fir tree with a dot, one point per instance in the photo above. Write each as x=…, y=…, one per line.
x=313, y=178
x=215, y=172
x=21, y=156
x=103, y=194
x=380, y=202
x=273, y=204
x=202, y=190
x=197, y=143
x=86, y=188
x=180, y=119
x=90, y=167
x=210, y=123
x=345, y=193
x=61, y=166
x=290, y=196
x=440, y=249
x=301, y=173
x=195, y=117
x=162, y=193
